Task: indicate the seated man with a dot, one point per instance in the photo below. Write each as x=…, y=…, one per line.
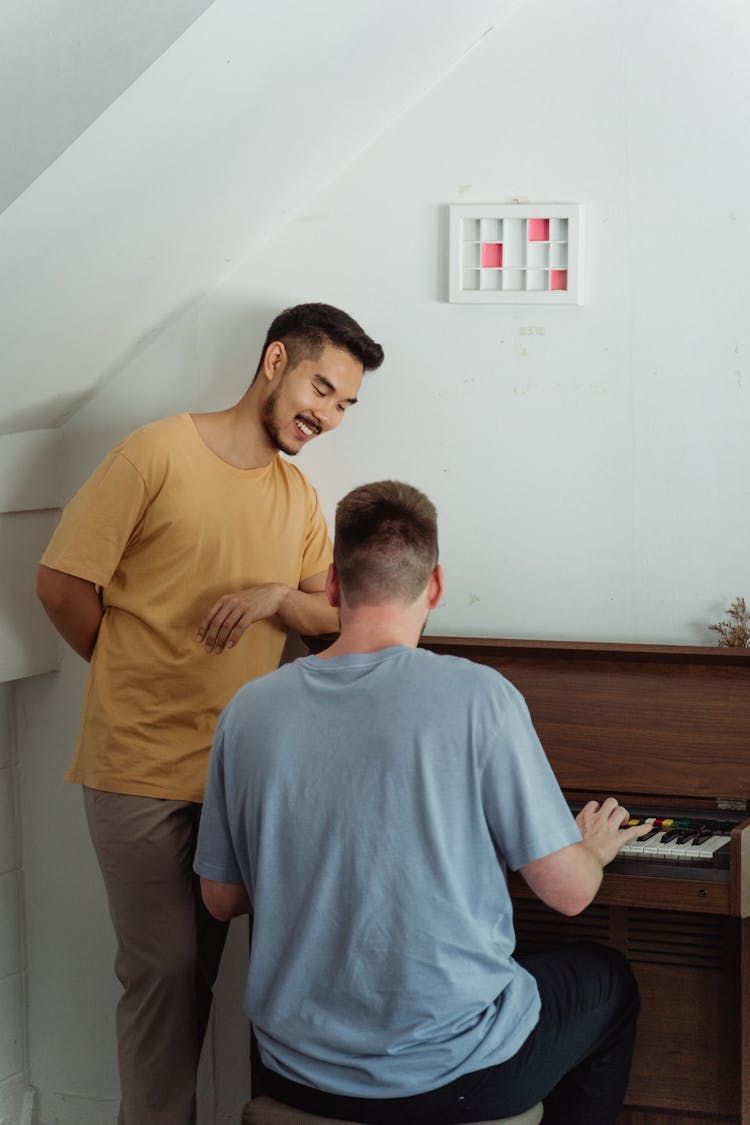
x=364, y=804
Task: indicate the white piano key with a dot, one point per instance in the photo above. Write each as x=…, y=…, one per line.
x=651, y=847
x=709, y=846
x=634, y=848
x=679, y=852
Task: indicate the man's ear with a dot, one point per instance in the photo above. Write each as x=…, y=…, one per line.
x=333, y=589
x=274, y=360
x=435, y=588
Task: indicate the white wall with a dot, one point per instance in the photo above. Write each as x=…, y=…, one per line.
x=13, y=1059
x=29, y=490
x=248, y=114
x=591, y=479
x=71, y=61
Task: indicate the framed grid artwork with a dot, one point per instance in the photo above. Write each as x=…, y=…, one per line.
x=517, y=253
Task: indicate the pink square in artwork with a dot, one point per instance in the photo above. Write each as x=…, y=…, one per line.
x=538, y=230
x=492, y=255
x=558, y=279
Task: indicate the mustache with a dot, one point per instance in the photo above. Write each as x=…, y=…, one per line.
x=310, y=422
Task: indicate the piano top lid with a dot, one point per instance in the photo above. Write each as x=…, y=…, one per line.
x=646, y=719
x=604, y=650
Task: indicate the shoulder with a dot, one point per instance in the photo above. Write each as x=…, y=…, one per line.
x=297, y=487
x=468, y=674
x=155, y=437
x=150, y=449
x=258, y=698
x=292, y=476
x=491, y=700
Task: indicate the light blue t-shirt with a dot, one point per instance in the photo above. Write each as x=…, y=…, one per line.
x=369, y=804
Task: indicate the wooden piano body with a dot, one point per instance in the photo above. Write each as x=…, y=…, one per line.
x=667, y=728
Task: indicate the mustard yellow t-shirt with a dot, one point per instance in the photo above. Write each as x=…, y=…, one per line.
x=166, y=527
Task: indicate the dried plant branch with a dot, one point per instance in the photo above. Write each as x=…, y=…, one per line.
x=734, y=633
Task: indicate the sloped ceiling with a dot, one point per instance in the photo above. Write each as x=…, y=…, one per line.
x=254, y=108
x=61, y=65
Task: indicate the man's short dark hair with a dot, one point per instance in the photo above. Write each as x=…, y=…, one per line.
x=304, y=330
x=386, y=543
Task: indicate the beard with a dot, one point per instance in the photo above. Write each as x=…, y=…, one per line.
x=271, y=426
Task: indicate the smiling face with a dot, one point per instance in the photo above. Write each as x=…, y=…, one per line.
x=310, y=398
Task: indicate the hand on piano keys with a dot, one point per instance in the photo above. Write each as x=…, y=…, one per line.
x=677, y=839
x=605, y=828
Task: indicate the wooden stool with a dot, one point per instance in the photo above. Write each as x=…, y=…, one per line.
x=267, y=1111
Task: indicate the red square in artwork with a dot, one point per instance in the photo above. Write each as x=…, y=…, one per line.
x=492, y=255
x=558, y=279
x=538, y=230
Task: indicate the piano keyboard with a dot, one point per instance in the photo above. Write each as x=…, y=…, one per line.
x=692, y=842
x=680, y=840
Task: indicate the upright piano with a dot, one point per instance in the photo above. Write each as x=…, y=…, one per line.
x=666, y=730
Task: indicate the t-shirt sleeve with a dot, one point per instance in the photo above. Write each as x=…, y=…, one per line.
x=526, y=811
x=318, y=551
x=99, y=523
x=215, y=856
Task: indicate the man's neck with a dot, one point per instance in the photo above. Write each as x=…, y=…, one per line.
x=374, y=628
x=237, y=435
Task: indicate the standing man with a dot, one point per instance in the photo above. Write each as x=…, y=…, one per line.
x=365, y=804
x=191, y=533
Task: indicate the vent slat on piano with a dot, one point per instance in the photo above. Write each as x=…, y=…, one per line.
x=643, y=935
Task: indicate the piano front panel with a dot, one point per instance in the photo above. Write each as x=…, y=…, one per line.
x=670, y=727
x=687, y=1056
x=671, y=894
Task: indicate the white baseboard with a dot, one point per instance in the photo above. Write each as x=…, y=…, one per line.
x=17, y=1103
x=67, y=1108
x=28, y=1107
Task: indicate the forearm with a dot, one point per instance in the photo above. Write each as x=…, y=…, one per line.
x=587, y=878
x=79, y=630
x=73, y=606
x=225, y=900
x=307, y=613
x=567, y=880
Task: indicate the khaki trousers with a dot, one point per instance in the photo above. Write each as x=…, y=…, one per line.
x=168, y=950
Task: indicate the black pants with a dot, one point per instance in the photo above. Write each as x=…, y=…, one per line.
x=576, y=1060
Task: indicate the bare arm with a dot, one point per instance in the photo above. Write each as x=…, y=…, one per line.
x=225, y=900
x=73, y=606
x=306, y=610
x=567, y=880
